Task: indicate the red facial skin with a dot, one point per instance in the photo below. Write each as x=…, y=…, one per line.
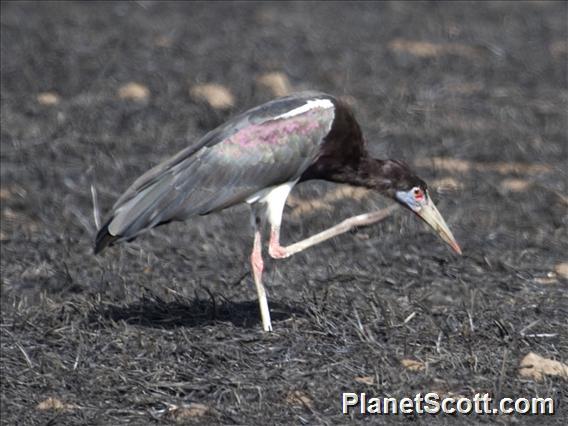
x=419, y=195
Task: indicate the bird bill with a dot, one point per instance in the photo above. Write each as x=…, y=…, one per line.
x=430, y=214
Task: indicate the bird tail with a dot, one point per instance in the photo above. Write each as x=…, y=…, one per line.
x=104, y=238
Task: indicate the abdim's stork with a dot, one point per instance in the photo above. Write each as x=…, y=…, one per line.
x=257, y=157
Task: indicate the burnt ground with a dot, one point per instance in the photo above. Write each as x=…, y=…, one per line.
x=166, y=329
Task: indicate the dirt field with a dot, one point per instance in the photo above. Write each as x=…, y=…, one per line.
x=166, y=329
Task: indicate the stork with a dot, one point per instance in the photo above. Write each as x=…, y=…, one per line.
x=257, y=158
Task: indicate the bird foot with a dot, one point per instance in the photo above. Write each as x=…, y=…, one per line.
x=278, y=252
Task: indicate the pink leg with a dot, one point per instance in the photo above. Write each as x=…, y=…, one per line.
x=257, y=266
x=278, y=252
x=275, y=250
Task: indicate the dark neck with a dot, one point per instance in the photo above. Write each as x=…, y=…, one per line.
x=368, y=172
x=364, y=171
x=344, y=158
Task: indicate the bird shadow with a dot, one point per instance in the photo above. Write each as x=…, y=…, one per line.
x=157, y=313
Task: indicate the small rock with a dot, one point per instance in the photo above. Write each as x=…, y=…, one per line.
x=180, y=414
x=447, y=184
x=412, y=364
x=426, y=49
x=515, y=185
x=535, y=367
x=219, y=97
x=452, y=165
x=367, y=380
x=276, y=82
x=545, y=280
x=562, y=270
x=299, y=398
x=5, y=193
x=54, y=404
x=48, y=98
x=421, y=49
x=134, y=92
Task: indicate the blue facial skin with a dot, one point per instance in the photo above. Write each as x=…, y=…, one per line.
x=407, y=197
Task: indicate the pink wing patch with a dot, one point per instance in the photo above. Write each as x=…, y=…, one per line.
x=278, y=131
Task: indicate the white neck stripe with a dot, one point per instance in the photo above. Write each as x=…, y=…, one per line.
x=310, y=104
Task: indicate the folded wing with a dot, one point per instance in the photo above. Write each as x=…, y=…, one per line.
x=267, y=146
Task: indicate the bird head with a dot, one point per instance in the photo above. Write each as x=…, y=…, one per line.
x=412, y=192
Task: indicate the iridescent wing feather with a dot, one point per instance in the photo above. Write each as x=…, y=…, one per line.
x=266, y=146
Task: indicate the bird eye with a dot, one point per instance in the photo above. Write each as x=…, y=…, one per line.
x=418, y=194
